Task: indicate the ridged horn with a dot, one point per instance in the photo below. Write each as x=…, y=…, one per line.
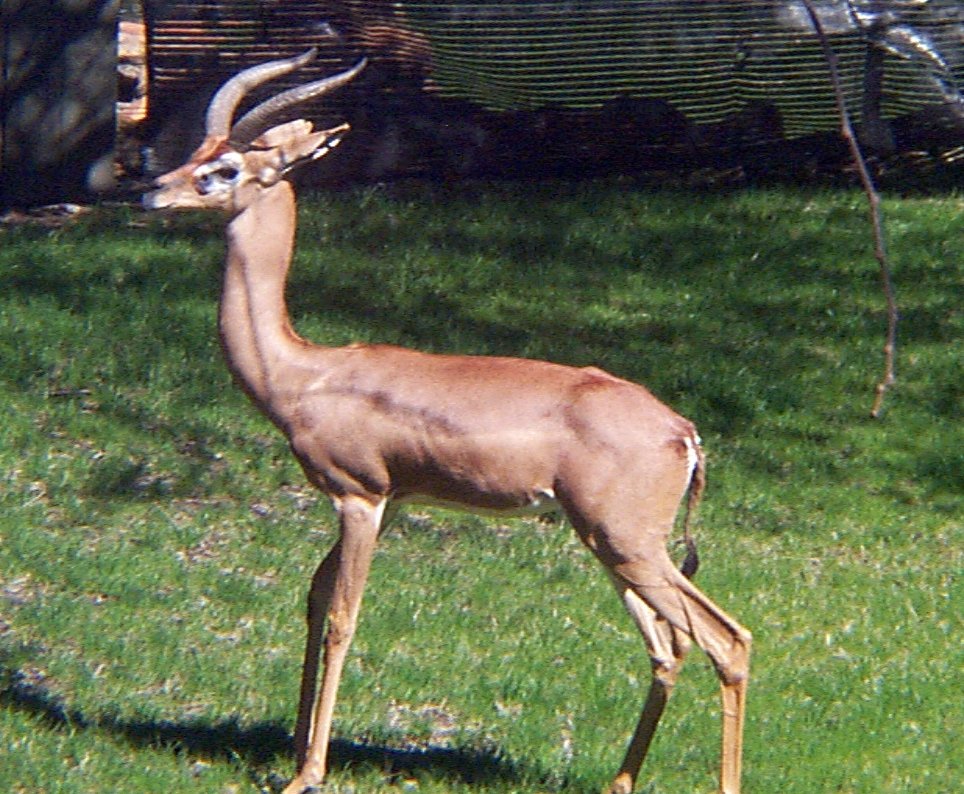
x=254, y=122
x=225, y=102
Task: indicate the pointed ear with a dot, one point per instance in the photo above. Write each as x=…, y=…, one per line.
x=296, y=142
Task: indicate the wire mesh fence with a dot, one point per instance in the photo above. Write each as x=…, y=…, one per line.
x=571, y=87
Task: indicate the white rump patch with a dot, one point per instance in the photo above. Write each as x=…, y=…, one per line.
x=692, y=456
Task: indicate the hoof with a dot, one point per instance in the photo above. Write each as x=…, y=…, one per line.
x=621, y=785
x=298, y=787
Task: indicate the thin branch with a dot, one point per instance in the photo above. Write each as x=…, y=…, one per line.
x=873, y=198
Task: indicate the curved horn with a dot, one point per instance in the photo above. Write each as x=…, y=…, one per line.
x=254, y=121
x=229, y=95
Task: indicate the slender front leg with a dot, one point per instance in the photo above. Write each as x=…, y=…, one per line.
x=360, y=519
x=319, y=598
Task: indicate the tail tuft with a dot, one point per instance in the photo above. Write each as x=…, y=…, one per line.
x=691, y=564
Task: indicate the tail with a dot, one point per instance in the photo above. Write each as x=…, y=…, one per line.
x=694, y=494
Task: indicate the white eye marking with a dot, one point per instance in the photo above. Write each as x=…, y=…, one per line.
x=219, y=176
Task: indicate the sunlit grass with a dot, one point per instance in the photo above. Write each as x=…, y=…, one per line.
x=156, y=538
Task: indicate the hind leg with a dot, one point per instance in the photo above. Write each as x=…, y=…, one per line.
x=667, y=648
x=676, y=600
x=624, y=513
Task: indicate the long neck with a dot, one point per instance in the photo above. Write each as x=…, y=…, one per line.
x=258, y=340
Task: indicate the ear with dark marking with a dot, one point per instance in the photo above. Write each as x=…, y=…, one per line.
x=297, y=143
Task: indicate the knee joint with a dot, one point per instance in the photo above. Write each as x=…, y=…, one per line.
x=340, y=629
x=736, y=667
x=666, y=672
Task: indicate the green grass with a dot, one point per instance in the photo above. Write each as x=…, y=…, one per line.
x=156, y=538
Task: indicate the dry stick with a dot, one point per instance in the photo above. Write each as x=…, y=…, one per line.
x=880, y=251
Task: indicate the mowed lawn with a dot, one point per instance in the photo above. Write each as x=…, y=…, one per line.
x=157, y=538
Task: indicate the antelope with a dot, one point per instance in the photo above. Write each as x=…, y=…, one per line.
x=376, y=427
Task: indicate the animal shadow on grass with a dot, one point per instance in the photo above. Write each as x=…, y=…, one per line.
x=257, y=746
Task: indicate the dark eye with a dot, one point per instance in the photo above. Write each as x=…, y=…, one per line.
x=217, y=177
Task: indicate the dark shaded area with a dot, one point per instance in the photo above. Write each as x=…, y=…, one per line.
x=57, y=96
x=255, y=747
